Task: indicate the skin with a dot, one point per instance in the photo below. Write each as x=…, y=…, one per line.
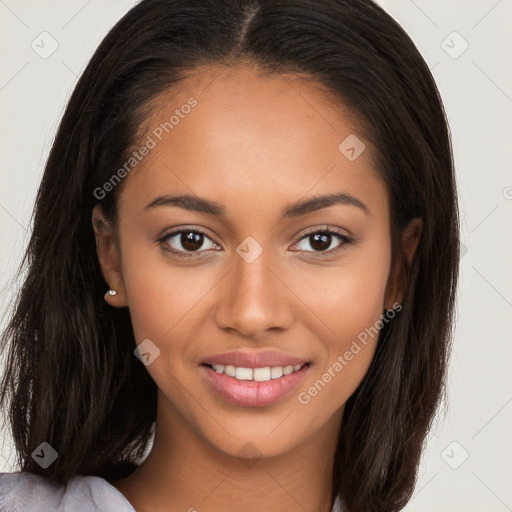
x=254, y=144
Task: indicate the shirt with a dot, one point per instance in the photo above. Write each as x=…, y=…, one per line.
x=28, y=492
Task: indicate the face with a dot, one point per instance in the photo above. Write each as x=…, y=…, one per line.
x=248, y=263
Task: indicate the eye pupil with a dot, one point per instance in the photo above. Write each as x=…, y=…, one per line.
x=191, y=241
x=321, y=241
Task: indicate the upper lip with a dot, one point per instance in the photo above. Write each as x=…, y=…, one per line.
x=254, y=359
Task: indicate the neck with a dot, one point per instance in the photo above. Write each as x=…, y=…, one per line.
x=186, y=472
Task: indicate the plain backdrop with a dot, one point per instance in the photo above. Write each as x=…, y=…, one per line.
x=467, y=463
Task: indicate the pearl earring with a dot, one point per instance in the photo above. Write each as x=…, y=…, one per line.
x=111, y=293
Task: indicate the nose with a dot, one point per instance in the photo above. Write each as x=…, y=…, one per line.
x=255, y=299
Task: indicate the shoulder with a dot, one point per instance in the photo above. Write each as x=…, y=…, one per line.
x=28, y=492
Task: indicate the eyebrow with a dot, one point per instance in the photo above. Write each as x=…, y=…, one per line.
x=198, y=204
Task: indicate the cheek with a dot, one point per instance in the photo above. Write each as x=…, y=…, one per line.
x=349, y=301
x=145, y=285
x=162, y=297
x=350, y=297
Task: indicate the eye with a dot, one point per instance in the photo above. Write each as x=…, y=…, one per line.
x=187, y=242
x=321, y=241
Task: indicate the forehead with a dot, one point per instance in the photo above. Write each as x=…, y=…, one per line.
x=274, y=138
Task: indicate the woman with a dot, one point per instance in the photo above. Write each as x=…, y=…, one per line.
x=245, y=243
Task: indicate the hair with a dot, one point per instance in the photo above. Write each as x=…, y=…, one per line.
x=70, y=368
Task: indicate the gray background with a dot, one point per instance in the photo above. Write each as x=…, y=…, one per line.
x=476, y=86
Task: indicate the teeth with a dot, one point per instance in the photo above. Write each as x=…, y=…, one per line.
x=243, y=374
x=256, y=374
x=228, y=370
x=261, y=374
x=287, y=370
x=276, y=372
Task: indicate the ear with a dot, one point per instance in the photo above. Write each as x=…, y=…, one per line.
x=109, y=257
x=398, y=279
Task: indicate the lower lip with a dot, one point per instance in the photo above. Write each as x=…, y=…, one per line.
x=246, y=393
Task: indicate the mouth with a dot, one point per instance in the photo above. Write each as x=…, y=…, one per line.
x=253, y=387
x=254, y=360
x=262, y=374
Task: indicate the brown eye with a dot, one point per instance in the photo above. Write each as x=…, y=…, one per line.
x=191, y=241
x=321, y=241
x=188, y=241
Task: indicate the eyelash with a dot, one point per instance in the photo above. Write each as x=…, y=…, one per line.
x=330, y=231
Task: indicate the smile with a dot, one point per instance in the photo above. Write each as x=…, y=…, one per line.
x=253, y=387
x=255, y=374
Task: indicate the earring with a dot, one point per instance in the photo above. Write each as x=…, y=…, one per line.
x=111, y=293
